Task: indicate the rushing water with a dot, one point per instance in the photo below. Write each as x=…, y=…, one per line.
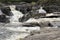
x=13, y=30
x=16, y=15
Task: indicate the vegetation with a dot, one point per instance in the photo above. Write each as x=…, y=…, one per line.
x=49, y=2
x=45, y=2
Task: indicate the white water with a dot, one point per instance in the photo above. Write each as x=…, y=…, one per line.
x=18, y=32
x=41, y=10
x=16, y=15
x=1, y=12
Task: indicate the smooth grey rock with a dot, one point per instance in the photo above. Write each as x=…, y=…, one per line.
x=55, y=23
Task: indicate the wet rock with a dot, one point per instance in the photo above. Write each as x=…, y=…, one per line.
x=3, y=19
x=24, y=7
x=48, y=34
x=31, y=15
x=45, y=24
x=30, y=24
x=55, y=23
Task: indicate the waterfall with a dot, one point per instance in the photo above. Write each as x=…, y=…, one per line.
x=16, y=15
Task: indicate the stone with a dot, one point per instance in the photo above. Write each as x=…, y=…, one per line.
x=55, y=23
x=46, y=34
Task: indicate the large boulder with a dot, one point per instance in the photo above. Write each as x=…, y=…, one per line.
x=35, y=15
x=24, y=7
x=3, y=19
x=6, y=11
x=5, y=16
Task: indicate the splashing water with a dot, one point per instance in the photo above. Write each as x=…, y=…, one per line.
x=16, y=15
x=41, y=10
